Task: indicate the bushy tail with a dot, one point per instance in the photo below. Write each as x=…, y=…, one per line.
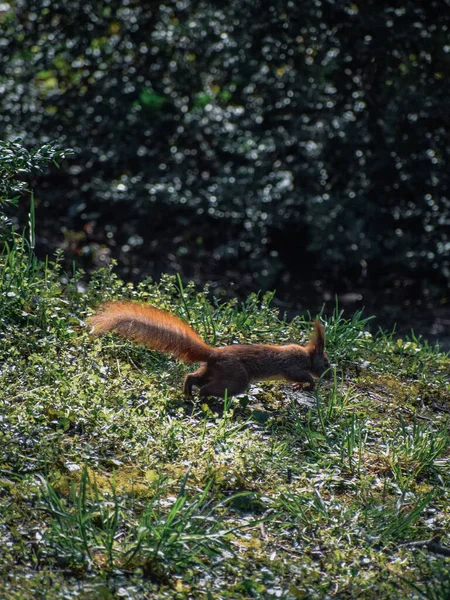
x=153, y=327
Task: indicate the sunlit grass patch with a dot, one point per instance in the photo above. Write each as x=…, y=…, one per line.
x=165, y=534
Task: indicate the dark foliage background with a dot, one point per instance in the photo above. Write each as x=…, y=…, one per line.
x=269, y=145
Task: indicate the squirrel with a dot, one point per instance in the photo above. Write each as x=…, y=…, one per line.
x=230, y=368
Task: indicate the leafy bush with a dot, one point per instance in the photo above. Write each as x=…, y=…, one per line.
x=291, y=138
x=16, y=165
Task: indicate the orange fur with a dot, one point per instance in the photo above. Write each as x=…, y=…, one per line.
x=153, y=327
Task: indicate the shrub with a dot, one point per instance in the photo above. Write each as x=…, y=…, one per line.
x=298, y=137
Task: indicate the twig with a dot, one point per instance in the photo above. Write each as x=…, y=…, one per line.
x=291, y=551
x=422, y=418
x=416, y=416
x=22, y=394
x=432, y=545
x=440, y=408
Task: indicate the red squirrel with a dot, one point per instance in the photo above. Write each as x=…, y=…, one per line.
x=230, y=368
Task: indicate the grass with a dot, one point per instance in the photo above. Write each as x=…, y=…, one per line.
x=112, y=484
x=95, y=529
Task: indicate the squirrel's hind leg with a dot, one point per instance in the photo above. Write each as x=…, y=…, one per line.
x=234, y=380
x=197, y=378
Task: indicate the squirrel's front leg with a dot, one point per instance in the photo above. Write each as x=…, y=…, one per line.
x=305, y=377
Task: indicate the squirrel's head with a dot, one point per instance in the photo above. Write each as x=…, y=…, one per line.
x=316, y=349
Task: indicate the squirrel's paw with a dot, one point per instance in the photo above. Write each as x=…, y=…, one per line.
x=298, y=386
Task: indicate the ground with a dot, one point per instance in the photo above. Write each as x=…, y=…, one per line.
x=113, y=485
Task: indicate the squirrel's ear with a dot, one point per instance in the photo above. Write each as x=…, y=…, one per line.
x=318, y=338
